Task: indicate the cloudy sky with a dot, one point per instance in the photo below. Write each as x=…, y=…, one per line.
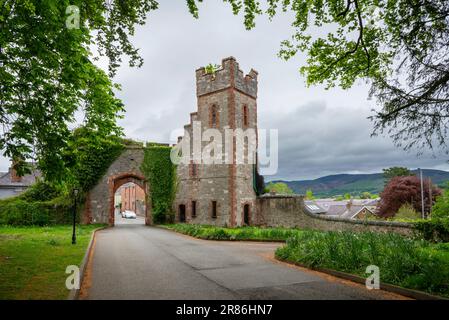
x=321, y=131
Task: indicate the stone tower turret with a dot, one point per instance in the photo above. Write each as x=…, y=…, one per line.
x=221, y=194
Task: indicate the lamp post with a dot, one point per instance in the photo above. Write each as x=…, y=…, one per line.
x=75, y=194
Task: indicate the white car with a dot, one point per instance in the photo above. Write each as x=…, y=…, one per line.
x=127, y=214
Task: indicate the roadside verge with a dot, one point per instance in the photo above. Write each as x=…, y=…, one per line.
x=74, y=293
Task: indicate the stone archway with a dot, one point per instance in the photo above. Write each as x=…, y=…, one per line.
x=99, y=205
x=116, y=181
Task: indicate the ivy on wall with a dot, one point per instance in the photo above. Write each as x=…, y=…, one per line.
x=160, y=172
x=92, y=155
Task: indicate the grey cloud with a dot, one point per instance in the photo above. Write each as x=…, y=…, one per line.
x=315, y=140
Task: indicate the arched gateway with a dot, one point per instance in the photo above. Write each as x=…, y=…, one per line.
x=99, y=205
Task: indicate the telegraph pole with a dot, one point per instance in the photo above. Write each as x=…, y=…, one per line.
x=430, y=197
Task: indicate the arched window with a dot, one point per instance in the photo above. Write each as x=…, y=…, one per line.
x=245, y=116
x=213, y=117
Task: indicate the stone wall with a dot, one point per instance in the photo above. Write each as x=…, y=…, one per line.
x=288, y=211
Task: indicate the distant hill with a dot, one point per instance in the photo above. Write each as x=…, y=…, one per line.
x=355, y=184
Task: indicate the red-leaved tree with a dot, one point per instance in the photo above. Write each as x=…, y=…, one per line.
x=401, y=190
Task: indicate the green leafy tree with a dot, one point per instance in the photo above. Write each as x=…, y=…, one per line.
x=399, y=46
x=441, y=207
x=47, y=73
x=309, y=194
x=366, y=195
x=392, y=172
x=347, y=196
x=279, y=187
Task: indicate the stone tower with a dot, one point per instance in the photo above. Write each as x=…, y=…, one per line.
x=221, y=194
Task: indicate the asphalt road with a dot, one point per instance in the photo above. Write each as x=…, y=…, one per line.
x=132, y=261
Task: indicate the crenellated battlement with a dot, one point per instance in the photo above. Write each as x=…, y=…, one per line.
x=228, y=76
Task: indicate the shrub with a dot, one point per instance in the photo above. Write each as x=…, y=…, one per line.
x=41, y=204
x=407, y=212
x=435, y=229
x=25, y=213
x=279, y=188
x=40, y=191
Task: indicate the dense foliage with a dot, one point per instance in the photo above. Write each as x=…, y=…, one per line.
x=402, y=190
x=278, y=188
x=47, y=74
x=402, y=261
x=441, y=207
x=89, y=155
x=309, y=195
x=435, y=229
x=41, y=204
x=368, y=195
x=160, y=172
x=392, y=172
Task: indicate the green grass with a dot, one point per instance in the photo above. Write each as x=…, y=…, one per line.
x=33, y=260
x=409, y=263
x=241, y=233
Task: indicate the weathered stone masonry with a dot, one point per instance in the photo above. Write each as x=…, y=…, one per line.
x=222, y=99
x=288, y=211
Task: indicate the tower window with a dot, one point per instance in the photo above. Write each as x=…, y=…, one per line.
x=193, y=209
x=214, y=209
x=213, y=117
x=245, y=116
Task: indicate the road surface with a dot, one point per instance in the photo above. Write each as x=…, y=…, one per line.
x=133, y=261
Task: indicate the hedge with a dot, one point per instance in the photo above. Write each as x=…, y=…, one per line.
x=41, y=204
x=435, y=229
x=21, y=212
